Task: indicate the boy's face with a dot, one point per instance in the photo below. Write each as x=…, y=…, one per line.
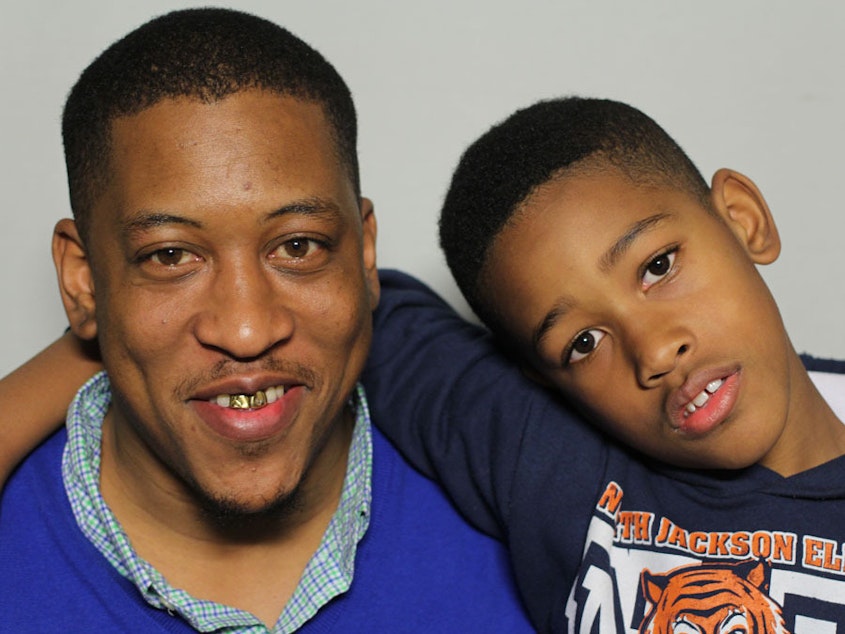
x=647, y=310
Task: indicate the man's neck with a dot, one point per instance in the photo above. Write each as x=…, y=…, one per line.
x=253, y=563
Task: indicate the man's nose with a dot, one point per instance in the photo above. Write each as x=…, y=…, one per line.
x=244, y=313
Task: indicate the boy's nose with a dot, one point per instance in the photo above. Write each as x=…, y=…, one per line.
x=658, y=351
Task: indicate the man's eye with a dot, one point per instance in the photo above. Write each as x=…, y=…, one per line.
x=658, y=267
x=584, y=343
x=297, y=248
x=172, y=256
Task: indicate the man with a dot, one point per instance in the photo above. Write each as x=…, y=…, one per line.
x=225, y=474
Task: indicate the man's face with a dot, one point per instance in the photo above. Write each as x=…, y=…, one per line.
x=648, y=311
x=233, y=266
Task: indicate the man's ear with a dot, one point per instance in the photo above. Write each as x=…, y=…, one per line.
x=76, y=282
x=368, y=224
x=740, y=204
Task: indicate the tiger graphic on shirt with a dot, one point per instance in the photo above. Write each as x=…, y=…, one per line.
x=644, y=572
x=711, y=599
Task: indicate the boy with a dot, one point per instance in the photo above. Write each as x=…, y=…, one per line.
x=583, y=237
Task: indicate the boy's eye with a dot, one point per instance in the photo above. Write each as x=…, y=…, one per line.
x=172, y=256
x=584, y=343
x=658, y=267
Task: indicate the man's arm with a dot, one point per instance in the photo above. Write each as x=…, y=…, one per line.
x=36, y=396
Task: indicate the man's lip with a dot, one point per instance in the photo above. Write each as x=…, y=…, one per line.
x=695, y=384
x=242, y=385
x=251, y=425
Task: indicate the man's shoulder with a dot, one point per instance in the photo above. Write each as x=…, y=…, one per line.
x=51, y=577
x=38, y=475
x=421, y=547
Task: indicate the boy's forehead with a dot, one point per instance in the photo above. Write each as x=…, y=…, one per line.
x=593, y=195
x=571, y=228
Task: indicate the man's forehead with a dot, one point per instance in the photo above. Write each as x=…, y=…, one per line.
x=186, y=111
x=243, y=145
x=244, y=122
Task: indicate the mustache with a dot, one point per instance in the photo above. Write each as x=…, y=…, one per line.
x=226, y=368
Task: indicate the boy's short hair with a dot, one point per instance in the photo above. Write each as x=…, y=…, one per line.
x=547, y=140
x=205, y=54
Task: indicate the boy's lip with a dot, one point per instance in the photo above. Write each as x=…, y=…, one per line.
x=712, y=413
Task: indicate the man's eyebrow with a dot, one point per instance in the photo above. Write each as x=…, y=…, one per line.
x=146, y=220
x=560, y=308
x=618, y=249
x=306, y=206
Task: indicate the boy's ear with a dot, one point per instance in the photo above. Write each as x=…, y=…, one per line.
x=736, y=199
x=76, y=282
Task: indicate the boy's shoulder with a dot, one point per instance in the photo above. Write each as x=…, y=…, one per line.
x=828, y=375
x=820, y=364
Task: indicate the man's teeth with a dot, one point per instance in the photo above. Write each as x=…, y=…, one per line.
x=250, y=401
x=703, y=397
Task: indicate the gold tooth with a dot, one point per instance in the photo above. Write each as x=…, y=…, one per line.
x=259, y=399
x=248, y=401
x=239, y=401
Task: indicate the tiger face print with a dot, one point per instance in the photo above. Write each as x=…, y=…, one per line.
x=711, y=599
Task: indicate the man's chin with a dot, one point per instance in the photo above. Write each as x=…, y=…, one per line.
x=227, y=513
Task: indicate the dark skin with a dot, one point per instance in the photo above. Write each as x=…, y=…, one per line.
x=185, y=309
x=611, y=286
x=65, y=365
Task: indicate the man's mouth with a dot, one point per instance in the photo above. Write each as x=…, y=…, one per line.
x=701, y=399
x=255, y=400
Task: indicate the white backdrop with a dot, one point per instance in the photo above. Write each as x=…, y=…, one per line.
x=756, y=85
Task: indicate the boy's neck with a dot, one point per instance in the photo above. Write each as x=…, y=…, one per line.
x=813, y=434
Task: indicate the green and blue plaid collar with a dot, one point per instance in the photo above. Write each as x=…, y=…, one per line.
x=327, y=575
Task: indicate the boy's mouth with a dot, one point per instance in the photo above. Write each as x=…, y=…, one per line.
x=702, y=397
x=698, y=414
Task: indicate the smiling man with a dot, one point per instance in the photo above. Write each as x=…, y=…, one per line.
x=224, y=474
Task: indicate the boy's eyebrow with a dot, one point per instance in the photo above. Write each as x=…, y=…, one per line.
x=560, y=308
x=618, y=249
x=149, y=219
x=607, y=261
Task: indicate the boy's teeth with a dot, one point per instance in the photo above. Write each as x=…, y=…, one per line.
x=714, y=385
x=701, y=399
x=704, y=396
x=250, y=401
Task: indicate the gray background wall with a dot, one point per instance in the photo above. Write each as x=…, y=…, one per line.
x=750, y=84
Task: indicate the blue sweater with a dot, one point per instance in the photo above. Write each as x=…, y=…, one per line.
x=602, y=539
x=419, y=568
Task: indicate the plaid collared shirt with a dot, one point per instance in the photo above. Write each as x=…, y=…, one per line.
x=327, y=575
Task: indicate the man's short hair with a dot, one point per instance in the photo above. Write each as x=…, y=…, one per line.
x=547, y=140
x=204, y=54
